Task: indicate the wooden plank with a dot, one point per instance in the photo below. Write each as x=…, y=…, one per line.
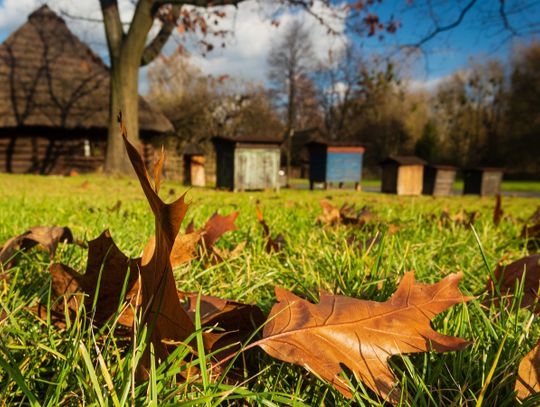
x=410, y=179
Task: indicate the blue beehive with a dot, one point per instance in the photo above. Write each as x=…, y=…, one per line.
x=335, y=162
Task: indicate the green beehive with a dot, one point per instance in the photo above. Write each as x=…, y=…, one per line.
x=247, y=163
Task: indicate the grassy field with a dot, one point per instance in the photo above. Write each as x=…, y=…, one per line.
x=507, y=186
x=40, y=364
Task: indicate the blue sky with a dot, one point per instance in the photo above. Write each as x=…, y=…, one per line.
x=481, y=34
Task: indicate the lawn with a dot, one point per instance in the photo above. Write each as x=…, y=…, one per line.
x=40, y=364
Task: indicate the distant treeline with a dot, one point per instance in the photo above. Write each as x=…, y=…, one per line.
x=485, y=115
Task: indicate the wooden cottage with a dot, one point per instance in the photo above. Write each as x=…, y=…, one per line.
x=247, y=163
x=439, y=180
x=402, y=175
x=194, y=173
x=485, y=181
x=54, y=101
x=335, y=162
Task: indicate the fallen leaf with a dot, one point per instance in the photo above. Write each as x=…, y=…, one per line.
x=461, y=218
x=217, y=226
x=330, y=215
x=163, y=313
x=272, y=244
x=225, y=254
x=531, y=230
x=107, y=271
x=528, y=376
x=116, y=207
x=237, y=320
x=46, y=237
x=361, y=334
x=497, y=210
x=508, y=276
x=347, y=214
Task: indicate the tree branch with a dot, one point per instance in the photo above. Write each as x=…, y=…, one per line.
x=439, y=29
x=152, y=50
x=504, y=18
x=200, y=3
x=114, y=31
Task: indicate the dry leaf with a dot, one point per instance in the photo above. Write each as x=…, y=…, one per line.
x=531, y=230
x=116, y=270
x=497, y=210
x=237, y=320
x=226, y=254
x=347, y=214
x=361, y=334
x=528, y=380
x=272, y=244
x=512, y=274
x=162, y=311
x=47, y=237
x=217, y=226
x=534, y=218
x=330, y=215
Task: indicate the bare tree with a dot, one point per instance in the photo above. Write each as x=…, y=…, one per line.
x=289, y=61
x=339, y=81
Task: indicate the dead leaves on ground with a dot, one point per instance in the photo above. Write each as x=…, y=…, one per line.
x=531, y=231
x=45, y=237
x=273, y=244
x=528, y=376
x=338, y=331
x=346, y=215
x=361, y=334
x=525, y=271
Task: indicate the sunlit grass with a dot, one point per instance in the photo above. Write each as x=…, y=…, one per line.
x=40, y=364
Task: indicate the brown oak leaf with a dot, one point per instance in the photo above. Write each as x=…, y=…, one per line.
x=162, y=311
x=528, y=377
x=216, y=226
x=107, y=271
x=361, y=334
x=508, y=276
x=497, y=210
x=272, y=244
x=237, y=320
x=347, y=214
x=47, y=237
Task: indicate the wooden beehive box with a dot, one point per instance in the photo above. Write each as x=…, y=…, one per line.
x=402, y=175
x=247, y=163
x=335, y=162
x=484, y=181
x=194, y=172
x=439, y=180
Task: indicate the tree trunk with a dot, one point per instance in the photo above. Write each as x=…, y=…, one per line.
x=124, y=97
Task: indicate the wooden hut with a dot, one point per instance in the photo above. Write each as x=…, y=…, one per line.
x=402, y=175
x=439, y=180
x=54, y=101
x=247, y=162
x=335, y=162
x=484, y=181
x=194, y=173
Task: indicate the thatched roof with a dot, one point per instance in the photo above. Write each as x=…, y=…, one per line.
x=49, y=78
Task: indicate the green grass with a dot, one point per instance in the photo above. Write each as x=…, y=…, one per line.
x=507, y=186
x=40, y=364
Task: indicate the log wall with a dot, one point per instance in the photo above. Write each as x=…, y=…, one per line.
x=42, y=155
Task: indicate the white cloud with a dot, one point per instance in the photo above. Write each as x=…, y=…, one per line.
x=253, y=33
x=246, y=48
x=424, y=85
x=78, y=15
